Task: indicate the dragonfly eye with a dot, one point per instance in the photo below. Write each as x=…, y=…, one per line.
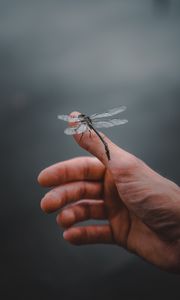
x=81, y=116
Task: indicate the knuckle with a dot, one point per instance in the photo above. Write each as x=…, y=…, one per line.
x=102, y=155
x=127, y=166
x=86, y=212
x=67, y=217
x=132, y=162
x=64, y=197
x=86, y=169
x=82, y=189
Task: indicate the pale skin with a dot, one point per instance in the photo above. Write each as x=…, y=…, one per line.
x=142, y=207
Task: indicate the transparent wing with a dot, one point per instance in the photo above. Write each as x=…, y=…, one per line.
x=68, y=118
x=76, y=130
x=109, y=123
x=109, y=113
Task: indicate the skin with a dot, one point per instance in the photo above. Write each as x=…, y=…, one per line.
x=141, y=207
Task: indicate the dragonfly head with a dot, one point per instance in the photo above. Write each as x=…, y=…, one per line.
x=81, y=116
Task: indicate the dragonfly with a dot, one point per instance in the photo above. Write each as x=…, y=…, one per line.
x=85, y=123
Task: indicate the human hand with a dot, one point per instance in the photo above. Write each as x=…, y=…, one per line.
x=142, y=207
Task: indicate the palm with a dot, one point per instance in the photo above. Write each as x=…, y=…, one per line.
x=118, y=214
x=130, y=232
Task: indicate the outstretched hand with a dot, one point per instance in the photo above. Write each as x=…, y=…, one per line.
x=142, y=208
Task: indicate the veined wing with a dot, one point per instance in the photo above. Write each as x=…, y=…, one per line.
x=109, y=113
x=109, y=123
x=76, y=129
x=68, y=118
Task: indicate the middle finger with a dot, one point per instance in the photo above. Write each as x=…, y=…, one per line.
x=71, y=192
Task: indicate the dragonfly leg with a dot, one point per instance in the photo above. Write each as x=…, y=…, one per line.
x=89, y=132
x=81, y=136
x=77, y=128
x=107, y=151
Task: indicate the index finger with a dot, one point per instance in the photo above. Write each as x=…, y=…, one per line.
x=80, y=168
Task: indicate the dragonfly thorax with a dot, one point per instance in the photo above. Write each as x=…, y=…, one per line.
x=84, y=118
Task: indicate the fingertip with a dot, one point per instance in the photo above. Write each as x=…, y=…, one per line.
x=48, y=204
x=74, y=114
x=39, y=178
x=66, y=235
x=65, y=218
x=43, y=178
x=43, y=205
x=48, y=177
x=73, y=236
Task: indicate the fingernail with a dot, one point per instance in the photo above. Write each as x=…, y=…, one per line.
x=39, y=178
x=43, y=200
x=65, y=234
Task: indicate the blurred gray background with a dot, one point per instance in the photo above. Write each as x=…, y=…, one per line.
x=60, y=56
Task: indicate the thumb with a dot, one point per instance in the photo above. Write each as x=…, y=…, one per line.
x=102, y=147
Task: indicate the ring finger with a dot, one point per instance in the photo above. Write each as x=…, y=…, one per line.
x=82, y=211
